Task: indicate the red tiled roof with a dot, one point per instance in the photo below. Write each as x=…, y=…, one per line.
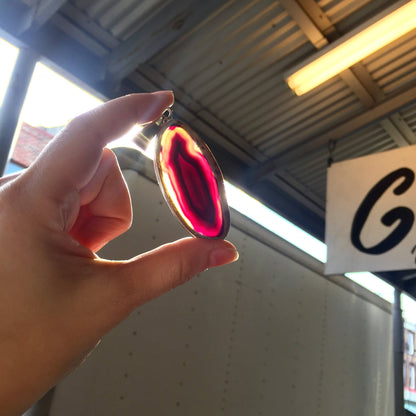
x=29, y=144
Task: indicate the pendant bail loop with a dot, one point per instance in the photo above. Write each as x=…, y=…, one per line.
x=143, y=138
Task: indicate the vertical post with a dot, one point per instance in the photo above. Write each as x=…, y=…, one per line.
x=398, y=339
x=13, y=102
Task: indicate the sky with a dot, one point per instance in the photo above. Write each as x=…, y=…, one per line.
x=53, y=101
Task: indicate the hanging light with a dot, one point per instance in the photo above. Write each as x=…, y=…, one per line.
x=353, y=47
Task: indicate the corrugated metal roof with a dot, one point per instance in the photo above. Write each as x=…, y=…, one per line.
x=395, y=65
x=409, y=115
x=310, y=169
x=339, y=10
x=121, y=18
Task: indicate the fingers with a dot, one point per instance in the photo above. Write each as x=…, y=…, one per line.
x=160, y=270
x=105, y=210
x=71, y=159
x=8, y=178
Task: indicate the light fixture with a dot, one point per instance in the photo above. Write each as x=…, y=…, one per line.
x=346, y=51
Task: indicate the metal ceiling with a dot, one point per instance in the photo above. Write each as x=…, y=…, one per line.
x=226, y=62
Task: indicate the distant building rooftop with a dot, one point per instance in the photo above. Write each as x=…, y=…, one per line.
x=30, y=143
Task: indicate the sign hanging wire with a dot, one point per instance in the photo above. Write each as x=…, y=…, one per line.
x=331, y=147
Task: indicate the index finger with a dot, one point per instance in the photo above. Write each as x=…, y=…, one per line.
x=71, y=159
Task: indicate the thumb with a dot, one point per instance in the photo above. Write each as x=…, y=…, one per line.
x=155, y=272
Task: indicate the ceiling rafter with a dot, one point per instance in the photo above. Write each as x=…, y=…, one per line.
x=312, y=20
x=40, y=12
x=373, y=114
x=356, y=77
x=44, y=41
x=319, y=18
x=361, y=86
x=89, y=25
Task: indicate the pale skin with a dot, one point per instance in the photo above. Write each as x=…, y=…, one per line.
x=57, y=297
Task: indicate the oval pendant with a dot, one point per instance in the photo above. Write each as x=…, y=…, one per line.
x=191, y=181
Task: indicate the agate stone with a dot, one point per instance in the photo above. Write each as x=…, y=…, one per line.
x=191, y=181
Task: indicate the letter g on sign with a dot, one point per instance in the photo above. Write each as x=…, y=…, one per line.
x=404, y=215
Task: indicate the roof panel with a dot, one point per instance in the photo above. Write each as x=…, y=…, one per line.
x=310, y=170
x=121, y=18
x=394, y=66
x=408, y=115
x=338, y=10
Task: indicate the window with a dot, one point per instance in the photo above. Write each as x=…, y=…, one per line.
x=410, y=343
x=412, y=377
x=405, y=374
x=50, y=103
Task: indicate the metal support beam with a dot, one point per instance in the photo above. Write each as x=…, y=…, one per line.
x=313, y=21
x=398, y=335
x=319, y=30
x=320, y=19
x=54, y=45
x=13, y=102
x=307, y=25
x=39, y=14
x=394, y=132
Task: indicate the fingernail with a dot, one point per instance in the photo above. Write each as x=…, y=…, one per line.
x=165, y=93
x=221, y=256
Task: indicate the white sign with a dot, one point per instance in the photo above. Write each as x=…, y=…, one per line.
x=371, y=213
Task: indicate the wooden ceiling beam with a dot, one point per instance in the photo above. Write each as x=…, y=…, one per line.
x=319, y=18
x=313, y=21
x=307, y=24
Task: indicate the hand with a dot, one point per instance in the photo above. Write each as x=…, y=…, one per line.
x=57, y=298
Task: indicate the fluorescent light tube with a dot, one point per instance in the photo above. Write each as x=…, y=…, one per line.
x=354, y=47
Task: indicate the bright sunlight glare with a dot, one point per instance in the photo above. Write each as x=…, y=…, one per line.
x=278, y=225
x=126, y=140
x=251, y=208
x=374, y=284
x=53, y=101
x=409, y=308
